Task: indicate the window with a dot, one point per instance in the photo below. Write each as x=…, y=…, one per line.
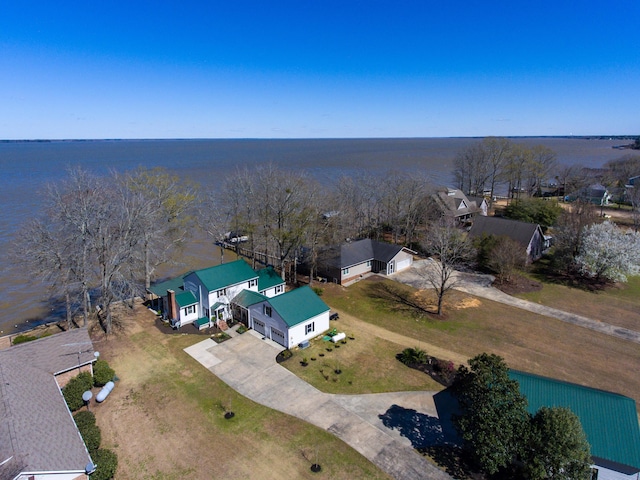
x=594, y=474
x=309, y=328
x=221, y=293
x=345, y=271
x=253, y=282
x=266, y=309
x=368, y=263
x=190, y=309
x=279, y=289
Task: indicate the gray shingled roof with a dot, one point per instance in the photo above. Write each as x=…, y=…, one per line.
x=521, y=232
x=36, y=427
x=360, y=251
x=455, y=203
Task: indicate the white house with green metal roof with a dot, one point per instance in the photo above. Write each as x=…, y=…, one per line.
x=288, y=319
x=203, y=297
x=609, y=420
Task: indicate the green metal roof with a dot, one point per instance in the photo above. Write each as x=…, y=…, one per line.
x=246, y=298
x=202, y=321
x=185, y=298
x=268, y=278
x=610, y=420
x=175, y=284
x=221, y=276
x=298, y=305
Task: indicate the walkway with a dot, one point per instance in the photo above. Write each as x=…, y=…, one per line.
x=247, y=364
x=480, y=286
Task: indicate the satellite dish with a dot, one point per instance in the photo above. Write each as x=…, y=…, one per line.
x=86, y=396
x=96, y=354
x=90, y=468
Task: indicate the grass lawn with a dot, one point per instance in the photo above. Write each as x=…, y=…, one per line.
x=470, y=326
x=618, y=305
x=367, y=364
x=165, y=419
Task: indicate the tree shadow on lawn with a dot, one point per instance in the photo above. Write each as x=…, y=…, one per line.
x=399, y=298
x=430, y=436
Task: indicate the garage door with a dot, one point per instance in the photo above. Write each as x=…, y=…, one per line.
x=258, y=326
x=402, y=264
x=278, y=336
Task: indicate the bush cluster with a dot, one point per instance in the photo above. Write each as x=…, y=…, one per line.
x=73, y=391
x=106, y=462
x=90, y=432
x=102, y=373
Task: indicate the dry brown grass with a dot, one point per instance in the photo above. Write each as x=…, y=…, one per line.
x=165, y=419
x=527, y=341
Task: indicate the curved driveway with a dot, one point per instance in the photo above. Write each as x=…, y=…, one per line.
x=382, y=427
x=480, y=286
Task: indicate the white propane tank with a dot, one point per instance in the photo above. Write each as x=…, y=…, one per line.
x=106, y=390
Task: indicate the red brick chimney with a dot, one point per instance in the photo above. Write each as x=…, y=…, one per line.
x=172, y=306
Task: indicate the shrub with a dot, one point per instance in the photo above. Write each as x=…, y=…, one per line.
x=318, y=291
x=411, y=356
x=91, y=435
x=73, y=391
x=102, y=373
x=84, y=418
x=23, y=339
x=241, y=329
x=106, y=462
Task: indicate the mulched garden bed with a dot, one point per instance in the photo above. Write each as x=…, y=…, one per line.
x=442, y=371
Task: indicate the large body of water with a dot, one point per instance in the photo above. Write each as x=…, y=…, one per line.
x=27, y=167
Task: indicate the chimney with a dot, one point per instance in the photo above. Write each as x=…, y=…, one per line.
x=173, y=307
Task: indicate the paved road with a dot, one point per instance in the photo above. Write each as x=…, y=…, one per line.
x=480, y=286
x=382, y=427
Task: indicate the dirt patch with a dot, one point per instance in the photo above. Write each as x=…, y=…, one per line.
x=518, y=284
x=468, y=302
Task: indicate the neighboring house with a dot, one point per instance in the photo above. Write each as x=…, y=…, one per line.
x=609, y=420
x=481, y=203
x=203, y=297
x=352, y=260
x=453, y=203
x=596, y=194
x=529, y=235
x=38, y=436
x=288, y=319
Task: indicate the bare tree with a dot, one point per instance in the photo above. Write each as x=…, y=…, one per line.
x=569, y=232
x=450, y=249
x=505, y=258
x=542, y=162
x=497, y=152
x=166, y=220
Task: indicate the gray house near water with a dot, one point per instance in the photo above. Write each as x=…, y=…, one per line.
x=353, y=260
x=529, y=235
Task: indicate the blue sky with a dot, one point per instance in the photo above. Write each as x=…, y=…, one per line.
x=322, y=68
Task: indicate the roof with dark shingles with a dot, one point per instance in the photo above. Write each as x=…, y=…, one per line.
x=521, y=232
x=175, y=284
x=221, y=276
x=610, y=420
x=454, y=202
x=299, y=305
x=360, y=251
x=35, y=423
x=268, y=278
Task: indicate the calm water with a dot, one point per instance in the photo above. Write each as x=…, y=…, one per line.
x=26, y=168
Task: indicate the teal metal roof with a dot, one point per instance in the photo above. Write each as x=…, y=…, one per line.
x=610, y=420
x=185, y=298
x=202, y=321
x=268, y=278
x=246, y=298
x=175, y=284
x=226, y=274
x=298, y=305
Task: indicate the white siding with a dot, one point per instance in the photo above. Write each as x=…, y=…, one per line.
x=297, y=333
x=273, y=291
x=355, y=271
x=606, y=474
x=190, y=318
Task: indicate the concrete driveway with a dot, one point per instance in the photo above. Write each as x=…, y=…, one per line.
x=385, y=428
x=480, y=285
